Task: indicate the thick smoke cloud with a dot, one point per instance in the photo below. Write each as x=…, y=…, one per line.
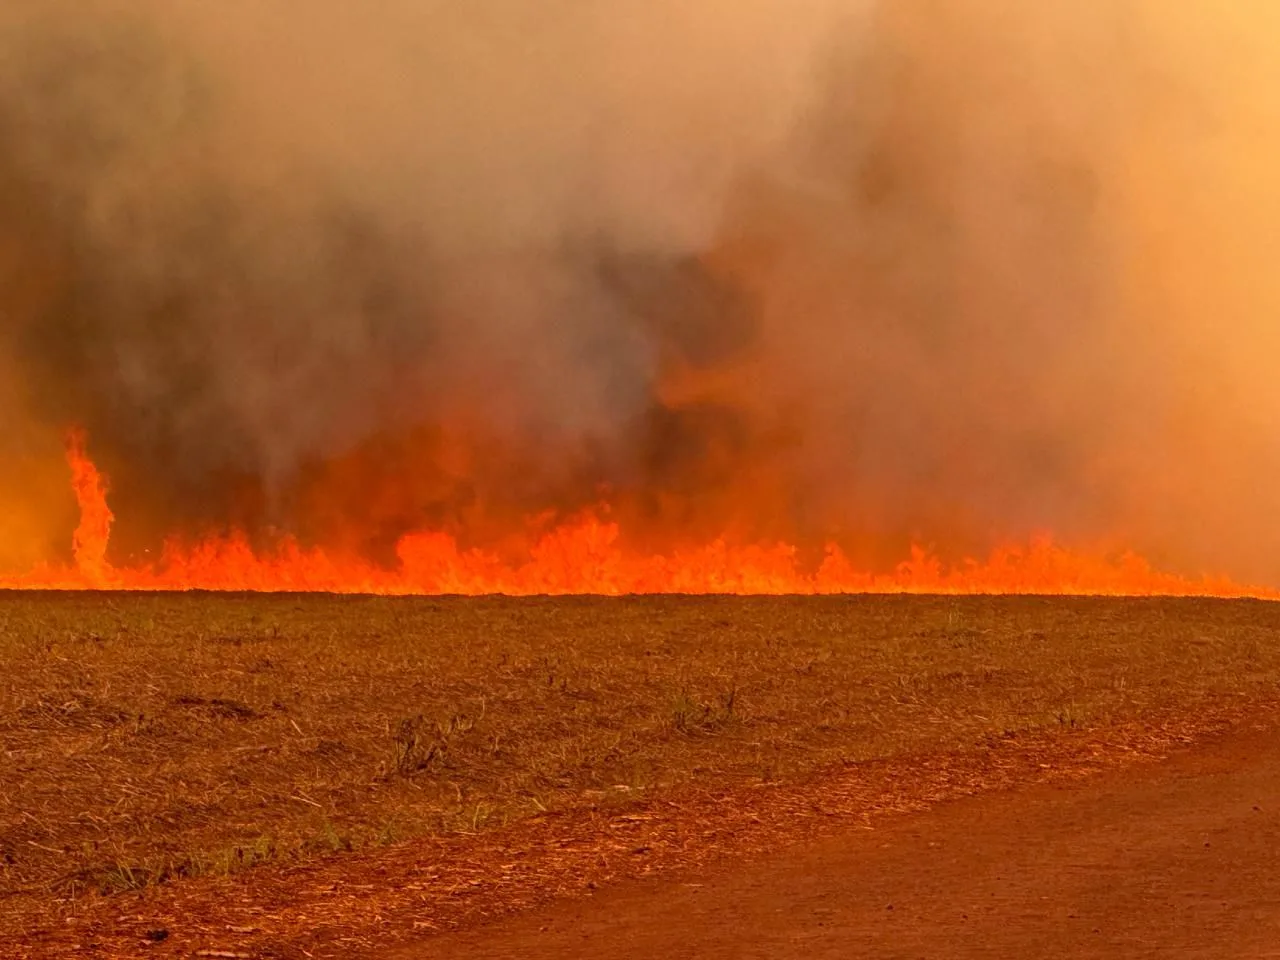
x=886, y=270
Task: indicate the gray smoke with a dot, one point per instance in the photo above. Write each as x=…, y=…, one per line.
x=877, y=269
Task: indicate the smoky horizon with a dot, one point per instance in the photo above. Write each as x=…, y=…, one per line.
x=875, y=273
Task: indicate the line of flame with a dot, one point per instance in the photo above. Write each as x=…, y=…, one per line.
x=585, y=557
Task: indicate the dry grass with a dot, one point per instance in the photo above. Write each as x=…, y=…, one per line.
x=148, y=738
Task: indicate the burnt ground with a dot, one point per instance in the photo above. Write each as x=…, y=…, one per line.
x=288, y=777
x=1175, y=859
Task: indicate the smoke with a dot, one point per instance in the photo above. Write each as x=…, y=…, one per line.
x=884, y=270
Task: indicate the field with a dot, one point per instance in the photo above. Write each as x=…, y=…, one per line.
x=196, y=750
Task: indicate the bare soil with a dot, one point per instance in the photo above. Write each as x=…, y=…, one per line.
x=1177, y=859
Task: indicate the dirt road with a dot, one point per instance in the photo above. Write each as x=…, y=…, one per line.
x=1179, y=859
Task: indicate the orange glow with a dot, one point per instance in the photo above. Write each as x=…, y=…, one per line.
x=584, y=557
x=94, y=531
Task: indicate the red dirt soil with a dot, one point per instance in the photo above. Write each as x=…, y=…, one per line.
x=1179, y=858
x=1026, y=846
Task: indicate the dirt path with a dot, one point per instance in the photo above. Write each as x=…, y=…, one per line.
x=1179, y=859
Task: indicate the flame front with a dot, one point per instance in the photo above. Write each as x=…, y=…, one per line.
x=828, y=279
x=584, y=556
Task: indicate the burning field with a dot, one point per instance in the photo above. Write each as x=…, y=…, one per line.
x=816, y=297
x=581, y=557
x=462, y=428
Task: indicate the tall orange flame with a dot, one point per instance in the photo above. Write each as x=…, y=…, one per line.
x=89, y=544
x=585, y=557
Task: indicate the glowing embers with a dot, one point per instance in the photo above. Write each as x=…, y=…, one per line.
x=585, y=556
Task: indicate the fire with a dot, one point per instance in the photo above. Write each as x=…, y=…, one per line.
x=584, y=556
x=92, y=535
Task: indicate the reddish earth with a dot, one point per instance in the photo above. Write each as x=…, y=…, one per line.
x=1174, y=859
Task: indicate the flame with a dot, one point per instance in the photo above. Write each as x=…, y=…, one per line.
x=584, y=556
x=89, y=545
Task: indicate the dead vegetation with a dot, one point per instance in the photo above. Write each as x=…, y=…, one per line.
x=148, y=739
